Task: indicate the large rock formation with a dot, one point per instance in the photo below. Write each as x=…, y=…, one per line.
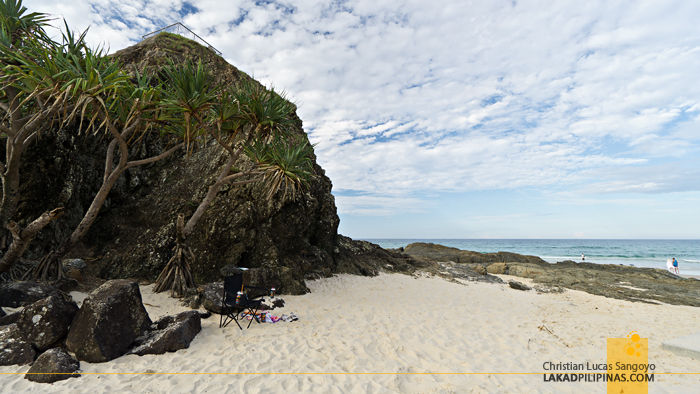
x=135, y=231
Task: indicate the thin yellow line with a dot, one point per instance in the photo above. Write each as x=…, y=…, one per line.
x=325, y=373
x=329, y=373
x=273, y=373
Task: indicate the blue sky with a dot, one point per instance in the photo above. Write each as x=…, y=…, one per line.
x=470, y=119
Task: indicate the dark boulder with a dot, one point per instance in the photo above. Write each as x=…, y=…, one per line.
x=211, y=297
x=108, y=322
x=169, y=334
x=16, y=294
x=205, y=315
x=292, y=240
x=54, y=365
x=2, y=313
x=46, y=321
x=518, y=286
x=14, y=349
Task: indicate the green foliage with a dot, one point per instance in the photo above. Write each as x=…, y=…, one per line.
x=286, y=164
x=190, y=94
x=16, y=25
x=264, y=109
x=257, y=117
x=67, y=74
x=177, y=42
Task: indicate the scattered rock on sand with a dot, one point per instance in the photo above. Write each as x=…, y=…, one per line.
x=54, y=365
x=549, y=289
x=518, y=286
x=169, y=334
x=108, y=322
x=461, y=271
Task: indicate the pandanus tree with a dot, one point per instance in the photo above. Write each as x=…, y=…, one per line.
x=44, y=83
x=249, y=120
x=27, y=108
x=125, y=109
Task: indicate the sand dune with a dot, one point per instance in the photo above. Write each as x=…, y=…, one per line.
x=397, y=334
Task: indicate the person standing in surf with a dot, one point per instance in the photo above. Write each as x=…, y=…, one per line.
x=583, y=257
x=675, y=267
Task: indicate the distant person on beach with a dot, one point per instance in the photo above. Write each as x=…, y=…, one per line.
x=583, y=257
x=669, y=265
x=675, y=266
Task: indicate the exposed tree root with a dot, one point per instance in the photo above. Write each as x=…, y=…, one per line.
x=177, y=275
x=49, y=268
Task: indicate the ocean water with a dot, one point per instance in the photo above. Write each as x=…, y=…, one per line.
x=636, y=252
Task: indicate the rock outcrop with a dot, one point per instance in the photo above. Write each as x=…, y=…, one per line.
x=615, y=281
x=108, y=322
x=439, y=253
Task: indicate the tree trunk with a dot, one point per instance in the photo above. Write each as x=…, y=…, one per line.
x=53, y=259
x=10, y=194
x=22, y=237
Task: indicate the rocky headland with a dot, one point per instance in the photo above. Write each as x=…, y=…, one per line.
x=628, y=283
x=134, y=234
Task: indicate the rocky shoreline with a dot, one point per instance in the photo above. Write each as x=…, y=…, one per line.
x=648, y=285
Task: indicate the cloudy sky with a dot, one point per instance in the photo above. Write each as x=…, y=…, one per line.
x=470, y=119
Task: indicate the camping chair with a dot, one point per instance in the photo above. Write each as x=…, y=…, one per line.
x=230, y=309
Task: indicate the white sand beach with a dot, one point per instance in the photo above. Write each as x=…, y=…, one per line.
x=387, y=334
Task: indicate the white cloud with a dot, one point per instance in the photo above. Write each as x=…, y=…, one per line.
x=453, y=95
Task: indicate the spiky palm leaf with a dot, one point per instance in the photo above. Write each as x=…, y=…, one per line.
x=265, y=110
x=16, y=25
x=190, y=93
x=285, y=164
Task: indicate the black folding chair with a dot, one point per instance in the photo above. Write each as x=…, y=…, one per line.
x=232, y=307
